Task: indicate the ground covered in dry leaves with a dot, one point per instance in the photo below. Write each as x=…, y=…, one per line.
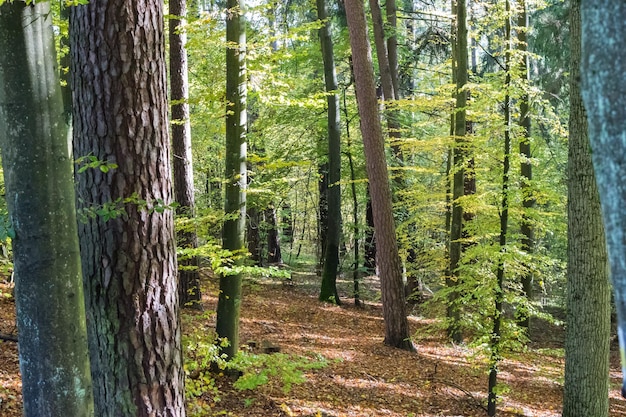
x=362, y=377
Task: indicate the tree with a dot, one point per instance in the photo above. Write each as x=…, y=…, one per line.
x=127, y=233
x=588, y=289
x=188, y=275
x=526, y=169
x=496, y=333
x=54, y=361
x=458, y=162
x=388, y=260
x=229, y=302
x=603, y=93
x=328, y=291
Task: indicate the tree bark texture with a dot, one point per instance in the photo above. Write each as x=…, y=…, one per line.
x=53, y=355
x=588, y=289
x=128, y=255
x=394, y=310
x=229, y=302
x=458, y=165
x=328, y=290
x=188, y=275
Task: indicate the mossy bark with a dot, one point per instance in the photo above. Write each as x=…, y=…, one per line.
x=229, y=301
x=588, y=289
x=54, y=360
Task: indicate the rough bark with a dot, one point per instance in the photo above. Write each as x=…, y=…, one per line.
x=129, y=253
x=188, y=275
x=588, y=289
x=54, y=361
x=229, y=302
x=458, y=166
x=328, y=290
x=394, y=310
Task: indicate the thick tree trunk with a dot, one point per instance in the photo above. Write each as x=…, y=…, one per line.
x=323, y=215
x=229, y=302
x=188, y=274
x=328, y=290
x=588, y=289
x=54, y=361
x=128, y=252
x=394, y=309
x=458, y=163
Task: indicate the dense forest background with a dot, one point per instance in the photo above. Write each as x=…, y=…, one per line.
x=459, y=222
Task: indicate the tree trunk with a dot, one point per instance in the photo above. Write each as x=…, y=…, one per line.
x=394, y=309
x=528, y=202
x=496, y=334
x=188, y=274
x=328, y=291
x=323, y=215
x=54, y=361
x=458, y=162
x=128, y=248
x=370, y=236
x=274, y=254
x=229, y=302
x=588, y=289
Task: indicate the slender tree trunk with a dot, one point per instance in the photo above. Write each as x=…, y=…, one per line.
x=528, y=202
x=496, y=334
x=328, y=291
x=458, y=164
x=392, y=46
x=274, y=254
x=588, y=289
x=229, y=302
x=54, y=361
x=394, y=309
x=128, y=253
x=188, y=274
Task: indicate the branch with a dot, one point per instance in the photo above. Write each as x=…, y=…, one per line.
x=8, y=337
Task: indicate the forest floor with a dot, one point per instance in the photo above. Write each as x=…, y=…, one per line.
x=363, y=377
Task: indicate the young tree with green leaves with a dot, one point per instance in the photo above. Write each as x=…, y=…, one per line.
x=229, y=301
x=328, y=291
x=54, y=360
x=388, y=259
x=127, y=234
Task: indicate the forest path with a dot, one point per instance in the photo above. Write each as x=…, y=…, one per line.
x=363, y=378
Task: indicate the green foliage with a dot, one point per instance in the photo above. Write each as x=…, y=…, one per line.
x=261, y=369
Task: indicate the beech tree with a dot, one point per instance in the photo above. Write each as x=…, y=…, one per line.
x=54, y=361
x=328, y=291
x=388, y=260
x=127, y=233
x=229, y=302
x=604, y=95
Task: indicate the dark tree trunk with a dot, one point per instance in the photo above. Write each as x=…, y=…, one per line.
x=323, y=215
x=370, y=236
x=254, y=235
x=588, y=288
x=496, y=334
x=394, y=309
x=328, y=290
x=458, y=163
x=188, y=274
x=229, y=301
x=274, y=254
x=128, y=254
x=54, y=360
